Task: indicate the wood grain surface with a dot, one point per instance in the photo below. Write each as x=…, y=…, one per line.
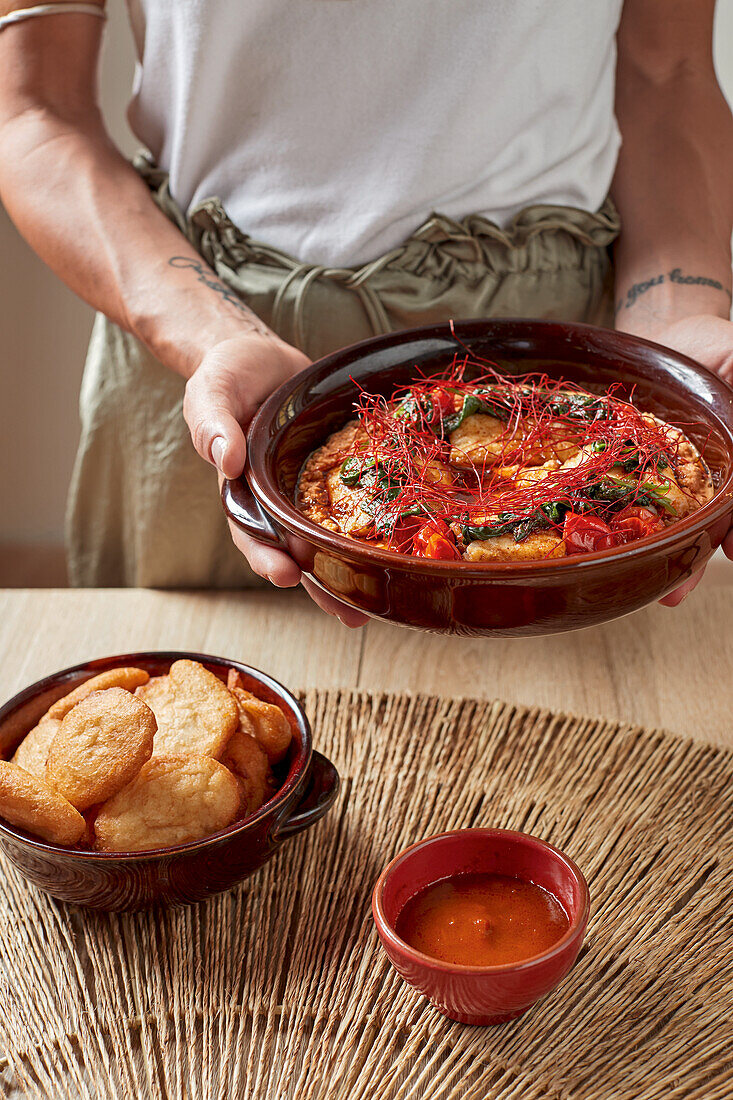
x=660, y=667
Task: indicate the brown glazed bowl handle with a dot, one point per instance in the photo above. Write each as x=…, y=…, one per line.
x=320, y=794
x=244, y=509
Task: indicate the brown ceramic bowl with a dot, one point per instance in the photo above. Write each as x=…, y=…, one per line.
x=537, y=597
x=481, y=994
x=189, y=872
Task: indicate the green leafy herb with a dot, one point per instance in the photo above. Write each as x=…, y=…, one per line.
x=576, y=406
x=384, y=484
x=655, y=496
x=505, y=524
x=480, y=402
x=353, y=468
x=555, y=510
x=631, y=458
x=520, y=527
x=414, y=409
x=619, y=490
x=536, y=522
x=367, y=474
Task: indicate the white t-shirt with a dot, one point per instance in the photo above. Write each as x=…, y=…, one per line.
x=331, y=129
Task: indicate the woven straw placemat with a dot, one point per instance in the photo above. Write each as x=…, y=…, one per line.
x=280, y=988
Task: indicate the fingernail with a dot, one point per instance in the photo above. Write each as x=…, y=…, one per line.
x=218, y=450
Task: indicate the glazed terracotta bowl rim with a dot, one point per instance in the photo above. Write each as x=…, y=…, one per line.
x=296, y=773
x=386, y=929
x=277, y=505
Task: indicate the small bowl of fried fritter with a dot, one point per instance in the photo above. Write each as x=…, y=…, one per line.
x=154, y=778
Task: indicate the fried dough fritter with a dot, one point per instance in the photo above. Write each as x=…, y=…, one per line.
x=100, y=746
x=194, y=711
x=30, y=803
x=479, y=440
x=127, y=678
x=345, y=505
x=32, y=752
x=692, y=482
x=172, y=800
x=314, y=485
x=541, y=544
x=482, y=440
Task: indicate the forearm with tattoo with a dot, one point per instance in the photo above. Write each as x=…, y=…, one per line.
x=676, y=275
x=206, y=277
x=672, y=184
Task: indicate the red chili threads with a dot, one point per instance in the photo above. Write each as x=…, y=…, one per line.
x=545, y=421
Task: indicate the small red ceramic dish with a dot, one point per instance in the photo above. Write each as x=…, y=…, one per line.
x=508, y=598
x=481, y=994
x=189, y=872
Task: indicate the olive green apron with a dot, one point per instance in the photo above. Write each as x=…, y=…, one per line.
x=144, y=509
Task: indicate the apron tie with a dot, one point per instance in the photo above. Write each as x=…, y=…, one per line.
x=357, y=280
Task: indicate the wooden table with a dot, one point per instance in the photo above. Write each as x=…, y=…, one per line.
x=660, y=667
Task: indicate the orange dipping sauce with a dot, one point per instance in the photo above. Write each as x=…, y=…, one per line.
x=482, y=920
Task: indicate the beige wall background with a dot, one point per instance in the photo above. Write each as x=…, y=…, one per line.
x=44, y=330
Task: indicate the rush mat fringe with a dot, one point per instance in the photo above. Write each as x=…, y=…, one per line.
x=280, y=989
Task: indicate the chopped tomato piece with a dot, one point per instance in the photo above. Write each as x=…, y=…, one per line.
x=635, y=523
x=442, y=402
x=404, y=532
x=435, y=540
x=584, y=534
x=439, y=547
x=435, y=526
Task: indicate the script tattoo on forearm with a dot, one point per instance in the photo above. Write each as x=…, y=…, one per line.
x=636, y=290
x=207, y=278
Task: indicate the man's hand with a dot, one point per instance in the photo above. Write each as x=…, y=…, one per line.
x=705, y=337
x=222, y=396
x=226, y=389
x=709, y=340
